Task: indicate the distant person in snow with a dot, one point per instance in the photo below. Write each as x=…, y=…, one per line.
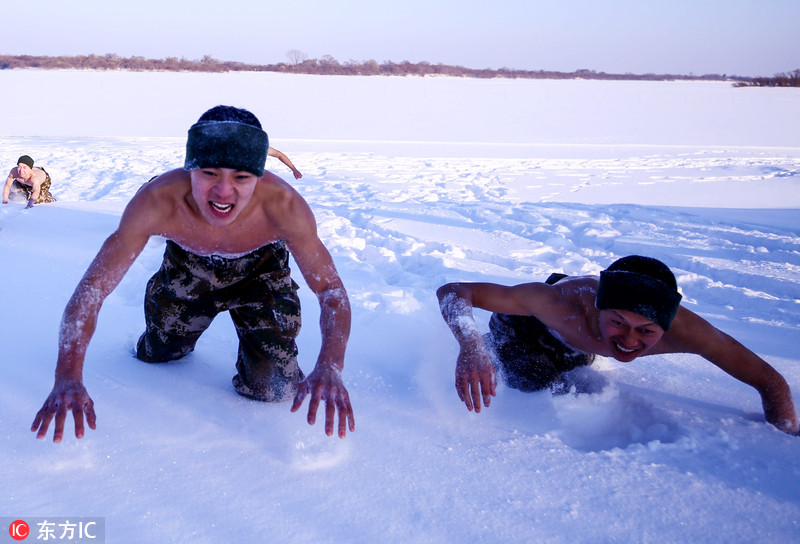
x=272, y=152
x=229, y=227
x=540, y=331
x=32, y=182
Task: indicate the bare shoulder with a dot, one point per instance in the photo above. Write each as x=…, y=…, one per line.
x=157, y=201
x=550, y=303
x=689, y=333
x=172, y=185
x=573, y=293
x=275, y=190
x=574, y=287
x=568, y=298
x=283, y=205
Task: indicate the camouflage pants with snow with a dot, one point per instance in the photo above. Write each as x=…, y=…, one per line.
x=189, y=290
x=528, y=354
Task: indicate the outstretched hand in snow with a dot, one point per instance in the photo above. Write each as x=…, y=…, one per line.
x=325, y=384
x=475, y=378
x=67, y=395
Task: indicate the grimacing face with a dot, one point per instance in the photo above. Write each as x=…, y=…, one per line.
x=24, y=170
x=628, y=335
x=222, y=194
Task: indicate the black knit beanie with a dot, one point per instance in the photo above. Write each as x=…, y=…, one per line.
x=25, y=159
x=641, y=285
x=227, y=137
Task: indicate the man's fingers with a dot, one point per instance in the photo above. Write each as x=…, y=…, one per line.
x=330, y=413
x=39, y=419
x=343, y=423
x=345, y=409
x=475, y=388
x=313, y=404
x=476, y=397
x=463, y=387
x=77, y=416
x=41, y=423
x=335, y=398
x=61, y=417
x=91, y=418
x=346, y=418
x=349, y=413
x=466, y=398
x=302, y=391
x=65, y=398
x=488, y=387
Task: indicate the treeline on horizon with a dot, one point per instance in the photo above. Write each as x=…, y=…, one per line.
x=786, y=79
x=327, y=65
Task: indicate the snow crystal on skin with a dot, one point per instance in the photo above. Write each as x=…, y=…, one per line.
x=462, y=319
x=332, y=296
x=220, y=254
x=466, y=325
x=69, y=333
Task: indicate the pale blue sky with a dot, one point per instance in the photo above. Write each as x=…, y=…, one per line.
x=742, y=37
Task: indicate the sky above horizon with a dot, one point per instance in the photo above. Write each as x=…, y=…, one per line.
x=733, y=37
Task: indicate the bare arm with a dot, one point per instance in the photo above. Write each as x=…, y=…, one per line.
x=325, y=381
x=78, y=325
x=7, y=186
x=37, y=181
x=692, y=333
x=475, y=373
x=272, y=152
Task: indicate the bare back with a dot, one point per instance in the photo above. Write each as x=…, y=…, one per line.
x=570, y=311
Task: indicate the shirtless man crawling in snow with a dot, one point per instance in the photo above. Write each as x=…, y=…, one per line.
x=229, y=227
x=539, y=331
x=25, y=179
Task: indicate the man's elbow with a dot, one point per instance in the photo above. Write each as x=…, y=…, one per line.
x=333, y=292
x=447, y=289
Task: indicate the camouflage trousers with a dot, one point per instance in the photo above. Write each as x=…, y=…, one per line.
x=44, y=189
x=189, y=290
x=527, y=353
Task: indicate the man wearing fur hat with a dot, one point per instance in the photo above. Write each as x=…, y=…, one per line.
x=229, y=226
x=25, y=179
x=540, y=331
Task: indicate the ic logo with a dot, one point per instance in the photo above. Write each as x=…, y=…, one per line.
x=19, y=530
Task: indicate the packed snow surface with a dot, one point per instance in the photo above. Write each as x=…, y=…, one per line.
x=416, y=182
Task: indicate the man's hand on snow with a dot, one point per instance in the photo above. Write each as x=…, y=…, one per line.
x=66, y=395
x=475, y=378
x=325, y=384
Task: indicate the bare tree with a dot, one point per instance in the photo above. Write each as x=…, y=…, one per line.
x=295, y=56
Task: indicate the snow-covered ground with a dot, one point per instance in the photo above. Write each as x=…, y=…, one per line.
x=416, y=182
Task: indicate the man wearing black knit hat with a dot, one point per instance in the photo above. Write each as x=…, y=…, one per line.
x=32, y=182
x=540, y=331
x=229, y=227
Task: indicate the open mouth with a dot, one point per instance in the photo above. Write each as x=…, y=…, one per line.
x=623, y=349
x=221, y=208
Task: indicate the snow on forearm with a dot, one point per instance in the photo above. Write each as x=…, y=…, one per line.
x=78, y=321
x=457, y=313
x=334, y=321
